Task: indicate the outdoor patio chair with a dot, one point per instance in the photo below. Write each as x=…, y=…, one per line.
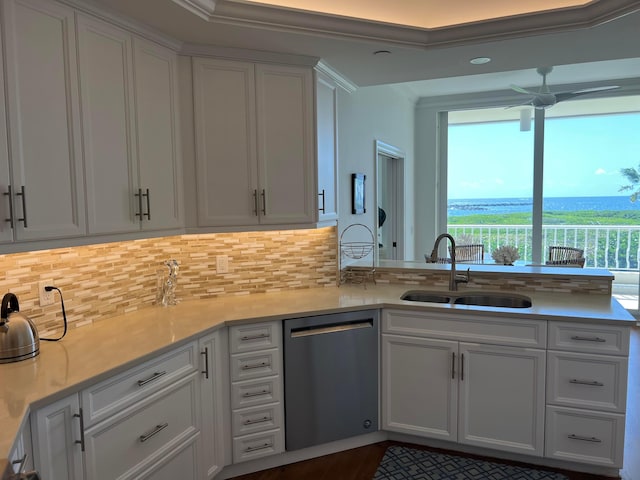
x=566, y=256
x=473, y=253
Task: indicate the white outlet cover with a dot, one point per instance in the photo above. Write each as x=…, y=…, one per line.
x=46, y=298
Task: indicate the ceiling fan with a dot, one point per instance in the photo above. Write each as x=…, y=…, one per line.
x=545, y=98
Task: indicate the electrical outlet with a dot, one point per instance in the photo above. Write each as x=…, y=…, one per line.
x=46, y=298
x=222, y=264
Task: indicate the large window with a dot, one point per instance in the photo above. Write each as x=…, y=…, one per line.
x=586, y=144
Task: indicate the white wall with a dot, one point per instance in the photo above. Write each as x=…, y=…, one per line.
x=369, y=114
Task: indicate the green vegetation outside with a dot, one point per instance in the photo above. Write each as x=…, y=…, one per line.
x=583, y=217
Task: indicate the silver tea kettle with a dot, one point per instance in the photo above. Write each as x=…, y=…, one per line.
x=18, y=335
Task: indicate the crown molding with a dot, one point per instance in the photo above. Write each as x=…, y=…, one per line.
x=202, y=8
x=342, y=81
x=231, y=53
x=238, y=12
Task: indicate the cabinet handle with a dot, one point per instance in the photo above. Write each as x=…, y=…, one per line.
x=461, y=366
x=259, y=420
x=323, y=201
x=10, y=195
x=23, y=194
x=80, y=416
x=139, y=196
x=256, y=365
x=592, y=383
x=21, y=463
x=264, y=202
x=148, y=196
x=584, y=439
x=255, y=202
x=453, y=365
x=259, y=447
x=206, y=362
x=153, y=377
x=254, y=337
x=588, y=339
x=256, y=394
x=155, y=431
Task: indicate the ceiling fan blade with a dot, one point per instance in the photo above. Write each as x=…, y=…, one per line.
x=522, y=90
x=561, y=96
x=528, y=102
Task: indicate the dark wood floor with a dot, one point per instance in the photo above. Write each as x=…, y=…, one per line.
x=361, y=463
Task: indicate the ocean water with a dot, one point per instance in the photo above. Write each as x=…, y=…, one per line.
x=460, y=207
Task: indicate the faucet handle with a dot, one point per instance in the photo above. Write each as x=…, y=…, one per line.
x=463, y=277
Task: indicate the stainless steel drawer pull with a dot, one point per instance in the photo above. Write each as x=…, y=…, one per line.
x=80, y=416
x=246, y=338
x=256, y=394
x=592, y=383
x=158, y=429
x=258, y=420
x=256, y=365
x=206, y=362
x=588, y=339
x=259, y=447
x=23, y=194
x=10, y=195
x=322, y=209
x=584, y=439
x=153, y=377
x=21, y=462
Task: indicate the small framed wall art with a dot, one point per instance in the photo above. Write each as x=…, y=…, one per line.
x=357, y=193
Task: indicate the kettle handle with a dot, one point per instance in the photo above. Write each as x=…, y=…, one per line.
x=9, y=304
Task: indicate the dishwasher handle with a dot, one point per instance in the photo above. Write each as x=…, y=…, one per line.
x=331, y=328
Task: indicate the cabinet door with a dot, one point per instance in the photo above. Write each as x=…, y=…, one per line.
x=6, y=232
x=158, y=155
x=227, y=176
x=215, y=431
x=106, y=75
x=286, y=167
x=327, y=145
x=43, y=114
x=419, y=386
x=57, y=440
x=502, y=398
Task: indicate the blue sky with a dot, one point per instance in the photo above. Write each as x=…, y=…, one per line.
x=583, y=157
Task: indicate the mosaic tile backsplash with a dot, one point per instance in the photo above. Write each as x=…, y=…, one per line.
x=104, y=280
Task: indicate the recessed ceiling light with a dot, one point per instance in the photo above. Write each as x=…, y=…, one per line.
x=479, y=60
x=382, y=52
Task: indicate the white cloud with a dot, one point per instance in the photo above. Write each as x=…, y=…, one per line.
x=600, y=171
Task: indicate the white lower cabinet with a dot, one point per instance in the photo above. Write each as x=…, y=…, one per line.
x=256, y=390
x=587, y=366
x=142, y=423
x=487, y=395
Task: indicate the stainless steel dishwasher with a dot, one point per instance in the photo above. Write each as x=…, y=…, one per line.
x=330, y=377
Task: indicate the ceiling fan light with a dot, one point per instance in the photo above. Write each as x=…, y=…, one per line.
x=525, y=120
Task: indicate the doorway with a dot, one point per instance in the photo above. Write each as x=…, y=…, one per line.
x=390, y=201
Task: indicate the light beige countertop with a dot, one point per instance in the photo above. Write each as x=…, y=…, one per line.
x=91, y=353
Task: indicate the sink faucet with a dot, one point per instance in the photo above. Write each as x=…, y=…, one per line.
x=454, y=279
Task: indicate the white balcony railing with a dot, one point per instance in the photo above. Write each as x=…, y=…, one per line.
x=614, y=247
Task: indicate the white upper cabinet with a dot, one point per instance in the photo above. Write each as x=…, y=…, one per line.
x=254, y=143
x=160, y=174
x=130, y=130
x=6, y=231
x=226, y=165
x=327, y=145
x=285, y=126
x=47, y=192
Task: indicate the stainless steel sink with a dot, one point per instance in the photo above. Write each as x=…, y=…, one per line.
x=424, y=296
x=494, y=300
x=485, y=299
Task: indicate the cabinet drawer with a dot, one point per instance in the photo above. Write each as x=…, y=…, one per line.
x=112, y=395
x=257, y=336
x=257, y=445
x=257, y=419
x=581, y=380
x=588, y=338
x=245, y=366
x=137, y=438
x=585, y=436
x=474, y=327
x=255, y=392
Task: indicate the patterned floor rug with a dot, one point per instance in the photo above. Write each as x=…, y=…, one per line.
x=402, y=463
